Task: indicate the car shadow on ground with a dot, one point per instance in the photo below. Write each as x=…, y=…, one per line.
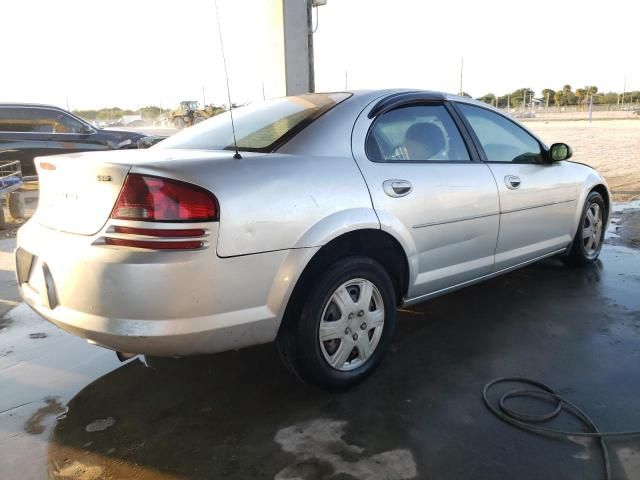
x=243, y=415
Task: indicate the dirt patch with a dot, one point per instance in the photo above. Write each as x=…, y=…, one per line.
x=37, y=423
x=612, y=147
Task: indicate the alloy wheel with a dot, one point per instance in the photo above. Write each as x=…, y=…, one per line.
x=351, y=324
x=592, y=229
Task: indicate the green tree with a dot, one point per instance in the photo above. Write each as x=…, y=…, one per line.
x=489, y=98
x=89, y=115
x=568, y=96
x=550, y=94
x=521, y=96
x=558, y=98
x=151, y=112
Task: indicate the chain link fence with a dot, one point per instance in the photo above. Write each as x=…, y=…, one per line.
x=575, y=112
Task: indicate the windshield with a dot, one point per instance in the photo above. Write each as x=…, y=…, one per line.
x=260, y=127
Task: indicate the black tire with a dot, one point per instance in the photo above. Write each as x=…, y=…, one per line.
x=580, y=254
x=299, y=342
x=179, y=122
x=17, y=205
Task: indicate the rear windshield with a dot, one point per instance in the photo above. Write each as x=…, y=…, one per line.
x=260, y=127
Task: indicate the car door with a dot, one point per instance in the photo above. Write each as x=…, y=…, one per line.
x=430, y=191
x=23, y=137
x=537, y=197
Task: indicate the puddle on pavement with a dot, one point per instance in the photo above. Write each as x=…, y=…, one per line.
x=624, y=229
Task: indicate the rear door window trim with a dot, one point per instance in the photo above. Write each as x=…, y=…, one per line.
x=428, y=100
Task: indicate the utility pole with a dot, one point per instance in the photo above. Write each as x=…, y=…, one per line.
x=204, y=100
x=461, y=69
x=346, y=79
x=624, y=90
x=312, y=81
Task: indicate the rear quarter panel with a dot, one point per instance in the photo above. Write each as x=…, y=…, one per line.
x=281, y=201
x=275, y=201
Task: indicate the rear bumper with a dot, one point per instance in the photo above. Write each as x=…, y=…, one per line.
x=156, y=302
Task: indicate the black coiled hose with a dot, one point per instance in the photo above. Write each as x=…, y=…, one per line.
x=544, y=392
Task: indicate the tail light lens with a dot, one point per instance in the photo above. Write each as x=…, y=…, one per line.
x=156, y=232
x=156, y=199
x=152, y=245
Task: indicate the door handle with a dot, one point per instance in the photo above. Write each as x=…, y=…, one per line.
x=512, y=182
x=397, y=188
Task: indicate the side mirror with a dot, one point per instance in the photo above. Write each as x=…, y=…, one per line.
x=86, y=129
x=559, y=152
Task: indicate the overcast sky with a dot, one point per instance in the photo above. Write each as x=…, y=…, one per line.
x=139, y=52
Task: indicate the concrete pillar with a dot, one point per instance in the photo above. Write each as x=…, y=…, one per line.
x=290, y=62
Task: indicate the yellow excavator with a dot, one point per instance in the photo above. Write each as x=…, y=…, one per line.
x=189, y=113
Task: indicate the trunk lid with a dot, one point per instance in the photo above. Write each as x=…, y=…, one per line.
x=78, y=191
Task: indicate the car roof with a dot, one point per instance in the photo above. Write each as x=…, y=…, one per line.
x=394, y=91
x=28, y=105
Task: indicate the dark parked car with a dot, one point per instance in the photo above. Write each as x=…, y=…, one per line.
x=28, y=131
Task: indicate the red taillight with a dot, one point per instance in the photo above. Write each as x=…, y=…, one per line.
x=156, y=232
x=155, y=199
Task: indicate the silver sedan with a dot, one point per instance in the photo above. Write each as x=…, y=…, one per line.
x=338, y=208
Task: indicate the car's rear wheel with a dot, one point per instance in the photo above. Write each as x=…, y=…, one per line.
x=342, y=326
x=589, y=237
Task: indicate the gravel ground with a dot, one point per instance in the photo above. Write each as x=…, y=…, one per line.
x=612, y=147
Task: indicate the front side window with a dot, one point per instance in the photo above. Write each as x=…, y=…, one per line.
x=417, y=133
x=259, y=127
x=501, y=139
x=64, y=123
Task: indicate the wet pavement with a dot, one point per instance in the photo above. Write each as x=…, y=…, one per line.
x=71, y=410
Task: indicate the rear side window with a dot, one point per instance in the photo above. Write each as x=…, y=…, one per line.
x=260, y=127
x=417, y=133
x=501, y=139
x=37, y=120
x=18, y=120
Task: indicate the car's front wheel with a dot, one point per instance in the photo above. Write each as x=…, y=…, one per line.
x=589, y=237
x=342, y=326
